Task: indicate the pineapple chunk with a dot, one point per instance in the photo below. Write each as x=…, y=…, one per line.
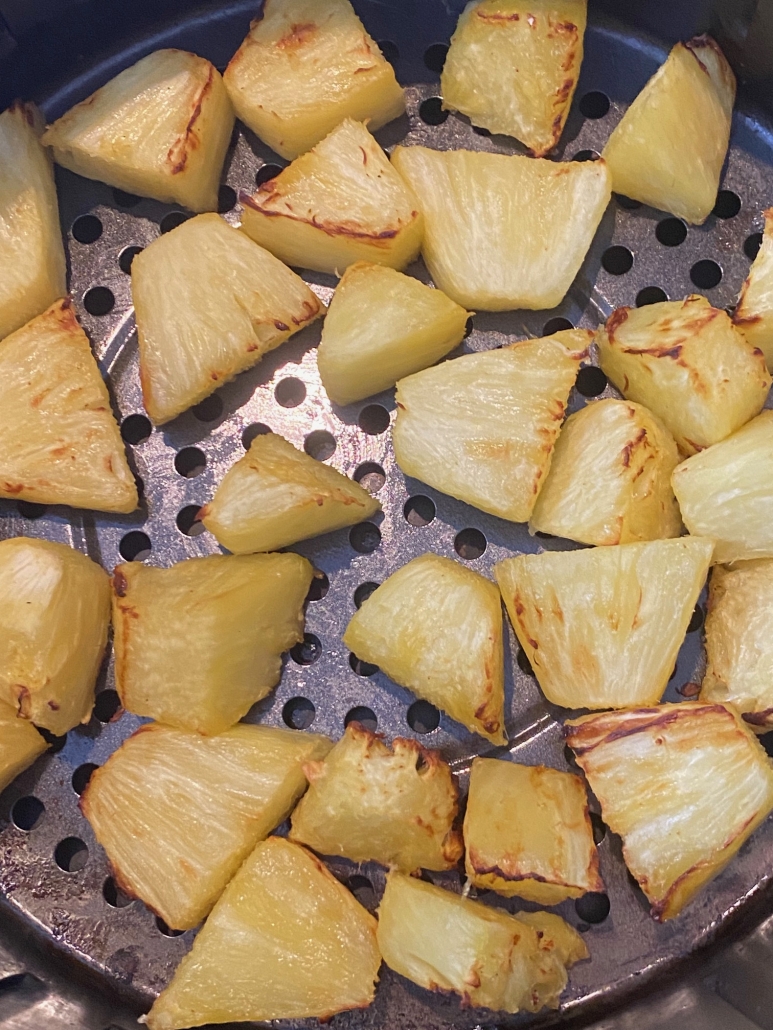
x=209, y=303
x=513, y=66
x=276, y=495
x=684, y=785
x=159, y=129
x=602, y=627
x=304, y=67
x=20, y=745
x=669, y=147
x=382, y=325
x=610, y=478
x=31, y=250
x=528, y=833
x=482, y=427
x=286, y=940
x=435, y=627
x=369, y=803
x=177, y=813
x=198, y=644
x=556, y=935
x=501, y=231
x=340, y=203
x=754, y=314
x=687, y=363
x=59, y=441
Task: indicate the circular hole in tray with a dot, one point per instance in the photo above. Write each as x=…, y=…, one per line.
x=592, y=907
x=210, y=409
x=124, y=199
x=365, y=716
x=766, y=739
x=469, y=325
x=570, y=759
x=167, y=931
x=107, y=705
x=31, y=510
x=98, y=301
x=627, y=202
x=435, y=57
x=556, y=325
x=290, y=392
x=363, y=890
x=320, y=444
x=187, y=521
x=706, y=274
x=389, y=49
x=113, y=894
x=586, y=155
x=590, y=381
x=226, y=199
x=374, y=420
x=671, y=232
x=320, y=585
x=267, y=172
x=419, y=510
x=250, y=432
x=523, y=662
x=306, y=651
x=423, y=717
x=650, y=295
x=71, y=854
x=696, y=620
x=81, y=776
x=752, y=244
x=370, y=476
x=470, y=544
x=55, y=743
x=728, y=204
x=135, y=546
x=172, y=220
x=617, y=260
x=431, y=111
x=27, y=812
x=599, y=828
x=365, y=537
x=363, y=592
x=479, y=130
x=594, y=104
x=190, y=462
x=86, y=229
x=298, y=713
x=136, y=429
x=360, y=667
x=126, y=258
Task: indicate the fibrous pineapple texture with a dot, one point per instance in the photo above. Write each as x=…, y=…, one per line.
x=20, y=745
x=754, y=313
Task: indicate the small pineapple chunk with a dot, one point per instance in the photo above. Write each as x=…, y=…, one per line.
x=556, y=935
x=669, y=147
x=159, y=129
x=501, y=231
x=482, y=427
x=382, y=325
x=513, y=66
x=304, y=67
x=198, y=644
x=754, y=314
x=286, y=940
x=684, y=785
x=602, y=627
x=687, y=363
x=20, y=745
x=276, y=495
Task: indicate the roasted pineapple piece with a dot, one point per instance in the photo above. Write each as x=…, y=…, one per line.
x=556, y=935
x=286, y=940
x=198, y=644
x=501, y=231
x=669, y=147
x=382, y=325
x=684, y=786
x=340, y=203
x=20, y=745
x=754, y=313
x=159, y=129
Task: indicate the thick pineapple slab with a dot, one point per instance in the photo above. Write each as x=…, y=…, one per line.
x=684, y=785
x=276, y=495
x=754, y=313
x=669, y=147
x=20, y=745
x=198, y=644
x=159, y=129
x=436, y=628
x=368, y=802
x=382, y=325
x=304, y=67
x=687, y=363
x=501, y=231
x=482, y=427
x=177, y=813
x=340, y=203
x=286, y=940
x=602, y=627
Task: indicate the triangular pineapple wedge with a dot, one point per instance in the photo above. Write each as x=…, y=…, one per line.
x=59, y=441
x=177, y=813
x=196, y=645
x=20, y=745
x=435, y=627
x=482, y=427
x=276, y=495
x=754, y=313
x=160, y=129
x=209, y=303
x=503, y=232
x=286, y=940
x=340, y=203
x=602, y=627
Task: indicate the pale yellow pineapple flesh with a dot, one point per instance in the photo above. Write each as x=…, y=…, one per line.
x=754, y=313
x=20, y=745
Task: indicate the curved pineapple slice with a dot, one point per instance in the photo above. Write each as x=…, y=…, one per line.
x=20, y=745
x=754, y=313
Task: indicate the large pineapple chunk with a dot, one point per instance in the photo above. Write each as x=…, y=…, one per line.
x=286, y=940
x=502, y=231
x=382, y=325
x=340, y=203
x=687, y=363
x=198, y=644
x=160, y=129
x=684, y=786
x=754, y=314
x=602, y=627
x=20, y=745
x=669, y=148
x=482, y=427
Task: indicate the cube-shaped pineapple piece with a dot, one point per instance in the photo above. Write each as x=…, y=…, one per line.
x=513, y=66
x=340, y=203
x=196, y=645
x=610, y=478
x=435, y=627
x=687, y=363
x=20, y=745
x=368, y=802
x=602, y=627
x=669, y=147
x=684, y=786
x=503, y=232
x=276, y=495
x=177, y=813
x=304, y=67
x=286, y=940
x=382, y=325
x=754, y=313
x=482, y=427
x=160, y=129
